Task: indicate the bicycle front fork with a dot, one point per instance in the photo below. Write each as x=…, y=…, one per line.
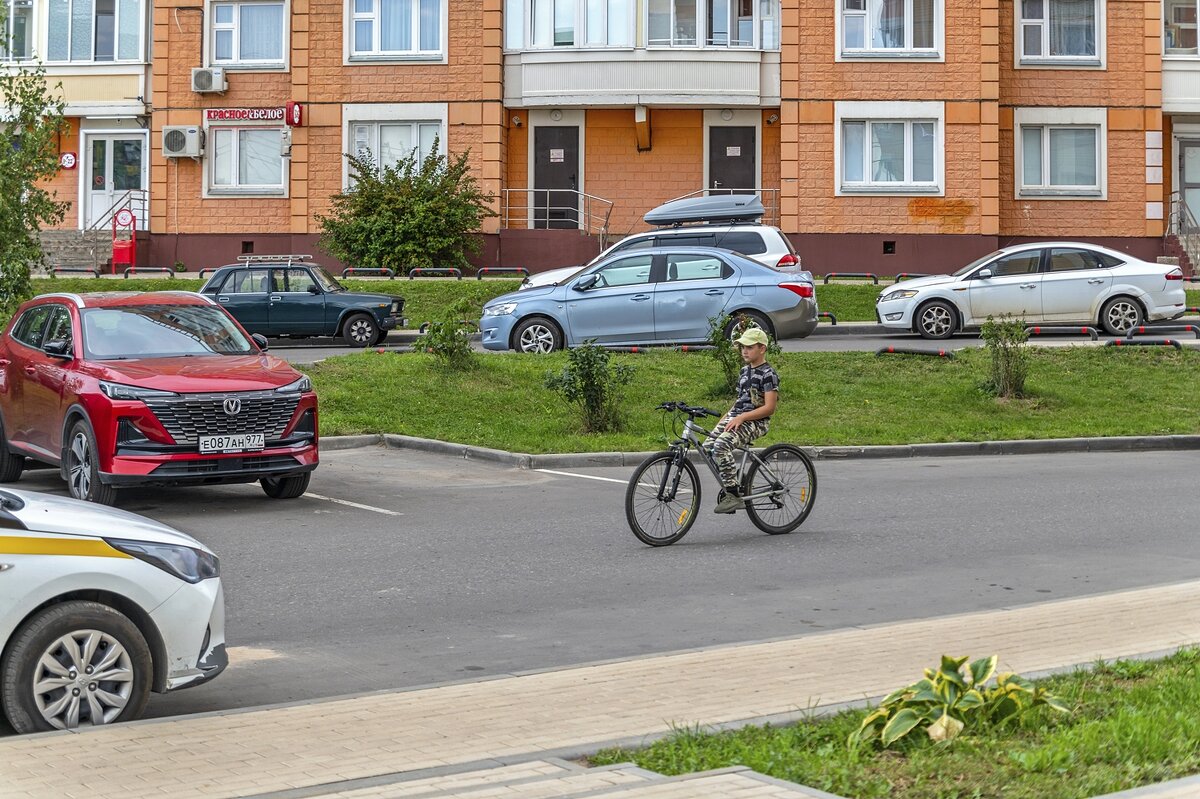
x=669, y=485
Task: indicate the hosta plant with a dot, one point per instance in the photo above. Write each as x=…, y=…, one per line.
x=953, y=698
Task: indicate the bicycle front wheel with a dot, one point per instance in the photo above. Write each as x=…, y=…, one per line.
x=662, y=499
x=787, y=475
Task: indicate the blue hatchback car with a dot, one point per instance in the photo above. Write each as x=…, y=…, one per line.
x=661, y=295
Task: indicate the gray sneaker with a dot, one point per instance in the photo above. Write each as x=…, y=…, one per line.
x=729, y=501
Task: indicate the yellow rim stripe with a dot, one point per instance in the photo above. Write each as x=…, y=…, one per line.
x=85, y=547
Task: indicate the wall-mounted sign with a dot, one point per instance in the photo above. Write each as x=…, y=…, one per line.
x=124, y=218
x=733, y=152
x=556, y=156
x=293, y=113
x=245, y=114
x=68, y=160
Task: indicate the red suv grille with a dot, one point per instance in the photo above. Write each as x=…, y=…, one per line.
x=193, y=415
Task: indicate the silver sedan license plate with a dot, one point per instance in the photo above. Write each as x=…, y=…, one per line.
x=243, y=442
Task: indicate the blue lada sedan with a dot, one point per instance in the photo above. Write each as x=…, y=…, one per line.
x=662, y=295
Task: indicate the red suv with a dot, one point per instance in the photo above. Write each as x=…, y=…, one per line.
x=157, y=388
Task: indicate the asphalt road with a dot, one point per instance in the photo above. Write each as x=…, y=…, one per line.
x=448, y=569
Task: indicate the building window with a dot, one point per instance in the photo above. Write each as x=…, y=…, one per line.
x=388, y=143
x=18, y=31
x=893, y=154
x=247, y=33
x=1060, y=152
x=94, y=30
x=1060, y=30
x=750, y=24
x=546, y=24
x=891, y=27
x=1179, y=27
x=396, y=28
x=246, y=160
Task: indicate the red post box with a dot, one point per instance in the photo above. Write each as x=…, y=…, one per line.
x=124, y=244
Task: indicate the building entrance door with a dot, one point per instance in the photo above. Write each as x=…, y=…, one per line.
x=732, y=159
x=115, y=164
x=1189, y=174
x=556, y=176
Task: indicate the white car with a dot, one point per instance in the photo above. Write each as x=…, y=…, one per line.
x=98, y=607
x=1053, y=282
x=724, y=221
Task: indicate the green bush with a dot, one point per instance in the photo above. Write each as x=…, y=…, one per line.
x=1005, y=340
x=949, y=699
x=419, y=212
x=591, y=382
x=449, y=338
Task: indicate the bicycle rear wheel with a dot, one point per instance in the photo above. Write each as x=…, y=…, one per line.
x=790, y=472
x=659, y=522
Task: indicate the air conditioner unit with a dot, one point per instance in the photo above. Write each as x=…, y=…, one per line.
x=182, y=141
x=208, y=79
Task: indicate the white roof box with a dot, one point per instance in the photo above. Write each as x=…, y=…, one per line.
x=717, y=208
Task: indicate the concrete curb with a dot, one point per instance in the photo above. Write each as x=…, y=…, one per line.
x=578, y=460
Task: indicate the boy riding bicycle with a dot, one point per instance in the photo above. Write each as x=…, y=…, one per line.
x=748, y=419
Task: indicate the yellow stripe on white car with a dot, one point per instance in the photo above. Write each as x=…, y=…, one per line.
x=30, y=545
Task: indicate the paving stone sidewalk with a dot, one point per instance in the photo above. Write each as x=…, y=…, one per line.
x=338, y=746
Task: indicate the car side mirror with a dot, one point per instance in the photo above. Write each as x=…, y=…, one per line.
x=983, y=274
x=586, y=282
x=261, y=341
x=59, y=348
x=313, y=289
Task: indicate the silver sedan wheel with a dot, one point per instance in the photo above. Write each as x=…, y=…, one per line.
x=536, y=338
x=936, y=321
x=84, y=677
x=1122, y=315
x=79, y=466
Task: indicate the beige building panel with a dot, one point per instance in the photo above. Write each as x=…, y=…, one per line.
x=100, y=88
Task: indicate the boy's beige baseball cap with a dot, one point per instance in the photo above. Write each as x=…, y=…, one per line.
x=752, y=335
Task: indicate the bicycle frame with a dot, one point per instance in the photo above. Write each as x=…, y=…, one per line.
x=691, y=438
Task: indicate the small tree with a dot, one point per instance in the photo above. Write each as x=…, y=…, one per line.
x=32, y=122
x=589, y=381
x=449, y=339
x=722, y=330
x=1005, y=339
x=420, y=212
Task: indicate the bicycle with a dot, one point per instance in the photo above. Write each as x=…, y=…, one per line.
x=663, y=498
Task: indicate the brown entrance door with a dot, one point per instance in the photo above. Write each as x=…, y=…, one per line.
x=731, y=159
x=555, y=176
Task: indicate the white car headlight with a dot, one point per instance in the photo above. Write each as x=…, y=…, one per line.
x=186, y=563
x=500, y=309
x=119, y=391
x=901, y=294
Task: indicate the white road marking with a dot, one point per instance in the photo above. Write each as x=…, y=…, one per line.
x=358, y=505
x=584, y=476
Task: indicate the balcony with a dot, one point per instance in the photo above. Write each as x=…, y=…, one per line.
x=1181, y=85
x=654, y=77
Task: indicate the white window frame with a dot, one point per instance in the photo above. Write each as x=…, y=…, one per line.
x=42, y=15
x=908, y=113
x=1047, y=119
x=375, y=55
x=210, y=38
x=937, y=53
x=393, y=113
x=35, y=28
x=1168, y=21
x=211, y=189
x=520, y=14
x=1021, y=61
x=702, y=42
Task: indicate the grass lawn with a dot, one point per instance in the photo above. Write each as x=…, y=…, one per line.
x=1133, y=724
x=827, y=398
x=425, y=300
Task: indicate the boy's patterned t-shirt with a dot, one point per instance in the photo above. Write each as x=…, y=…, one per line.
x=753, y=385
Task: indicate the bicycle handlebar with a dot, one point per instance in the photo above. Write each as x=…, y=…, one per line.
x=694, y=411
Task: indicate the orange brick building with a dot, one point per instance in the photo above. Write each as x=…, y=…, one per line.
x=884, y=135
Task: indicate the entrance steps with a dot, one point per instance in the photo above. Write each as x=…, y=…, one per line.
x=87, y=248
x=552, y=778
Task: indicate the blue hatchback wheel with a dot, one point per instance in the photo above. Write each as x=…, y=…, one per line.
x=537, y=336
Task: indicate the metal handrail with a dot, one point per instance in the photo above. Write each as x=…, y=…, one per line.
x=126, y=200
x=1183, y=226
x=591, y=213
x=771, y=206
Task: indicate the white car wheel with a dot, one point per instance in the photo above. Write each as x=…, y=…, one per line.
x=936, y=320
x=1120, y=315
